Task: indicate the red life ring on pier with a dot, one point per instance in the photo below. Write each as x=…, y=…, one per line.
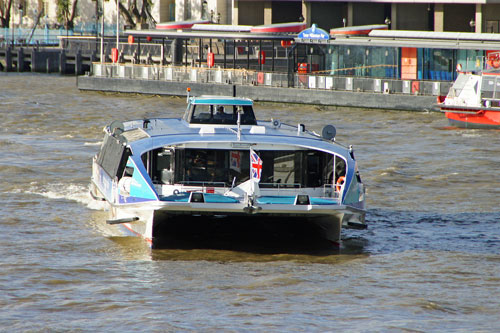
x=340, y=182
x=262, y=57
x=210, y=59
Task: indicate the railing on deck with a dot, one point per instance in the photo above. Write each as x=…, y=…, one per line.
x=272, y=79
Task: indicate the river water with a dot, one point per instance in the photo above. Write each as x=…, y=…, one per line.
x=429, y=261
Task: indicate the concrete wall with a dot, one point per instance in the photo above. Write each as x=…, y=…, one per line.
x=262, y=93
x=164, y=11
x=224, y=9
x=250, y=12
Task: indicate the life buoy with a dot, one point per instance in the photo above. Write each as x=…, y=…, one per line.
x=340, y=182
x=210, y=59
x=262, y=57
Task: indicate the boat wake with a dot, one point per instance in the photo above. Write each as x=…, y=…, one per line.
x=74, y=192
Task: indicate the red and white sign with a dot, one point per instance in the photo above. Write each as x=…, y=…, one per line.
x=235, y=161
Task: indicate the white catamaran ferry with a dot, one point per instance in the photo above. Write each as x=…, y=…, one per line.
x=218, y=161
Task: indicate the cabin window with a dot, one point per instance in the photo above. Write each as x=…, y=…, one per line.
x=307, y=168
x=222, y=114
x=164, y=166
x=490, y=87
x=217, y=167
x=280, y=168
x=313, y=169
x=128, y=172
x=160, y=165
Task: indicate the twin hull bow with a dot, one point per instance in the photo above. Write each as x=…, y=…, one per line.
x=159, y=172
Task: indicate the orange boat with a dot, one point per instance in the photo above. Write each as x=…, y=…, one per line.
x=473, y=101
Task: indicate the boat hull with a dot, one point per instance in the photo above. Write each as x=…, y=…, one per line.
x=482, y=119
x=157, y=226
x=171, y=230
x=157, y=220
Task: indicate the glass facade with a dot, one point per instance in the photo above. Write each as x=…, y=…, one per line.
x=470, y=60
x=386, y=62
x=366, y=61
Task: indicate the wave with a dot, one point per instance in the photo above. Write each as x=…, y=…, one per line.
x=92, y=143
x=74, y=192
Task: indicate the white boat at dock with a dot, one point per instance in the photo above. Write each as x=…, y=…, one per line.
x=218, y=161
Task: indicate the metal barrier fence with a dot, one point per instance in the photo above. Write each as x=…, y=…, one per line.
x=271, y=79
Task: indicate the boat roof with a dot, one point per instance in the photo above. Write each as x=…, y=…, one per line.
x=220, y=100
x=173, y=131
x=146, y=134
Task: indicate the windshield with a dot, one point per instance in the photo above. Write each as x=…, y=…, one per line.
x=222, y=114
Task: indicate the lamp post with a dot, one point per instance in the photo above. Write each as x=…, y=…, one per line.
x=96, y=17
x=388, y=22
x=472, y=25
x=117, y=23
x=102, y=35
x=20, y=20
x=13, y=37
x=45, y=10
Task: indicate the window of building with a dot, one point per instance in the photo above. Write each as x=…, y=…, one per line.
x=493, y=26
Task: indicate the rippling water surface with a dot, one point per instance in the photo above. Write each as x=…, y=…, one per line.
x=429, y=261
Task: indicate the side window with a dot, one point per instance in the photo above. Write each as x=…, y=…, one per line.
x=128, y=172
x=164, y=170
x=202, y=114
x=248, y=117
x=339, y=168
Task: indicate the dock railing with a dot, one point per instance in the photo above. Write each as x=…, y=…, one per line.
x=219, y=75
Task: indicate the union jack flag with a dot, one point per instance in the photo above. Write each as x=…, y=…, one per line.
x=255, y=166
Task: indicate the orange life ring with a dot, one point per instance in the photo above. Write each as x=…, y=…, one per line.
x=340, y=182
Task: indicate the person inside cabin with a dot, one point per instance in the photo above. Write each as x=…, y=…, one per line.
x=199, y=160
x=221, y=115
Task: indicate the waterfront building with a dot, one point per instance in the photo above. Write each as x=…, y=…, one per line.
x=424, y=15
x=480, y=16
x=425, y=40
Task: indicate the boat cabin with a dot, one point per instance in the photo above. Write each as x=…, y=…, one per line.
x=220, y=111
x=223, y=167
